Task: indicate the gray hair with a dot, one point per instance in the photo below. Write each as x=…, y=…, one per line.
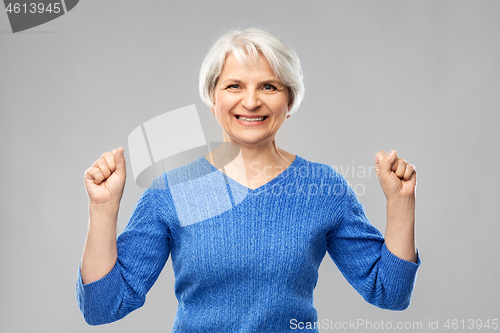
x=252, y=41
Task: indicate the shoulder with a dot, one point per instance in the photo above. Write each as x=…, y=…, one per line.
x=318, y=178
x=315, y=170
x=182, y=174
x=177, y=190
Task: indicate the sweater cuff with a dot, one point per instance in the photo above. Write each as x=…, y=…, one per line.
x=395, y=261
x=95, y=298
x=399, y=277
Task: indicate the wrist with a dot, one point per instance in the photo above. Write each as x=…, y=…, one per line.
x=104, y=211
x=401, y=211
x=401, y=201
x=103, y=207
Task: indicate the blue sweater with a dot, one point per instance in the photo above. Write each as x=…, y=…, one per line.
x=246, y=260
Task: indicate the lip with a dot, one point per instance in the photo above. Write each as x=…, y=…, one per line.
x=249, y=116
x=250, y=123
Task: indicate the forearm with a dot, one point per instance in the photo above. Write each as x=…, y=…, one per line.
x=400, y=230
x=100, y=253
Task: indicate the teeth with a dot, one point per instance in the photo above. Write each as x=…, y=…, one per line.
x=250, y=119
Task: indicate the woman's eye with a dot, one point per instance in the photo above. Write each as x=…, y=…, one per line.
x=233, y=86
x=269, y=87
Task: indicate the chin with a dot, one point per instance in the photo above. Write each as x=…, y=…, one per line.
x=248, y=139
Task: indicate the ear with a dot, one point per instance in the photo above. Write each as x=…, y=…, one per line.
x=288, y=111
x=291, y=100
x=212, y=108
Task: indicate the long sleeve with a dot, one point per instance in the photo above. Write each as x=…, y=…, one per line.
x=143, y=249
x=359, y=251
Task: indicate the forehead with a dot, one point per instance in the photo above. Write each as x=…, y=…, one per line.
x=232, y=66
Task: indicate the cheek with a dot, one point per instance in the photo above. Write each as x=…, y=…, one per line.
x=279, y=105
x=225, y=102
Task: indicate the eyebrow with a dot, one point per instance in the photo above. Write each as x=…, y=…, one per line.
x=271, y=81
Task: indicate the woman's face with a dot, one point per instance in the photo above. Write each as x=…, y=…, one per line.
x=251, y=104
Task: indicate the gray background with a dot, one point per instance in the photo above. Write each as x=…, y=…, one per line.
x=422, y=77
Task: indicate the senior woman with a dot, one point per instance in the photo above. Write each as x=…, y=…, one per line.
x=248, y=228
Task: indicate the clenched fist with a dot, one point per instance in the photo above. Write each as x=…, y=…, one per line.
x=105, y=179
x=397, y=177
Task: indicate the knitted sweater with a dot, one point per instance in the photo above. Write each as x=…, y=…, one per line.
x=246, y=260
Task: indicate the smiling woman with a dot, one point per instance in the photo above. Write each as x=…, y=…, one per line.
x=246, y=246
x=251, y=105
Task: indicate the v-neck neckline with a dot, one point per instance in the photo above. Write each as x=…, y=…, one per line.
x=264, y=187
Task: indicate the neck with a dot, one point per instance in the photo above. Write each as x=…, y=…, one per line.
x=251, y=165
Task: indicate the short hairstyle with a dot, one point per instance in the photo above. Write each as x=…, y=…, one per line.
x=252, y=41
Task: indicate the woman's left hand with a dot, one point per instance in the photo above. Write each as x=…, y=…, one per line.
x=397, y=177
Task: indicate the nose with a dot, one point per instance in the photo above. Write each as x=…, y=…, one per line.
x=251, y=100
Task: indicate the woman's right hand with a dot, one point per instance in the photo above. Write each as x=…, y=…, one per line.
x=105, y=179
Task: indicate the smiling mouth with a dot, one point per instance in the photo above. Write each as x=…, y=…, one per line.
x=250, y=119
